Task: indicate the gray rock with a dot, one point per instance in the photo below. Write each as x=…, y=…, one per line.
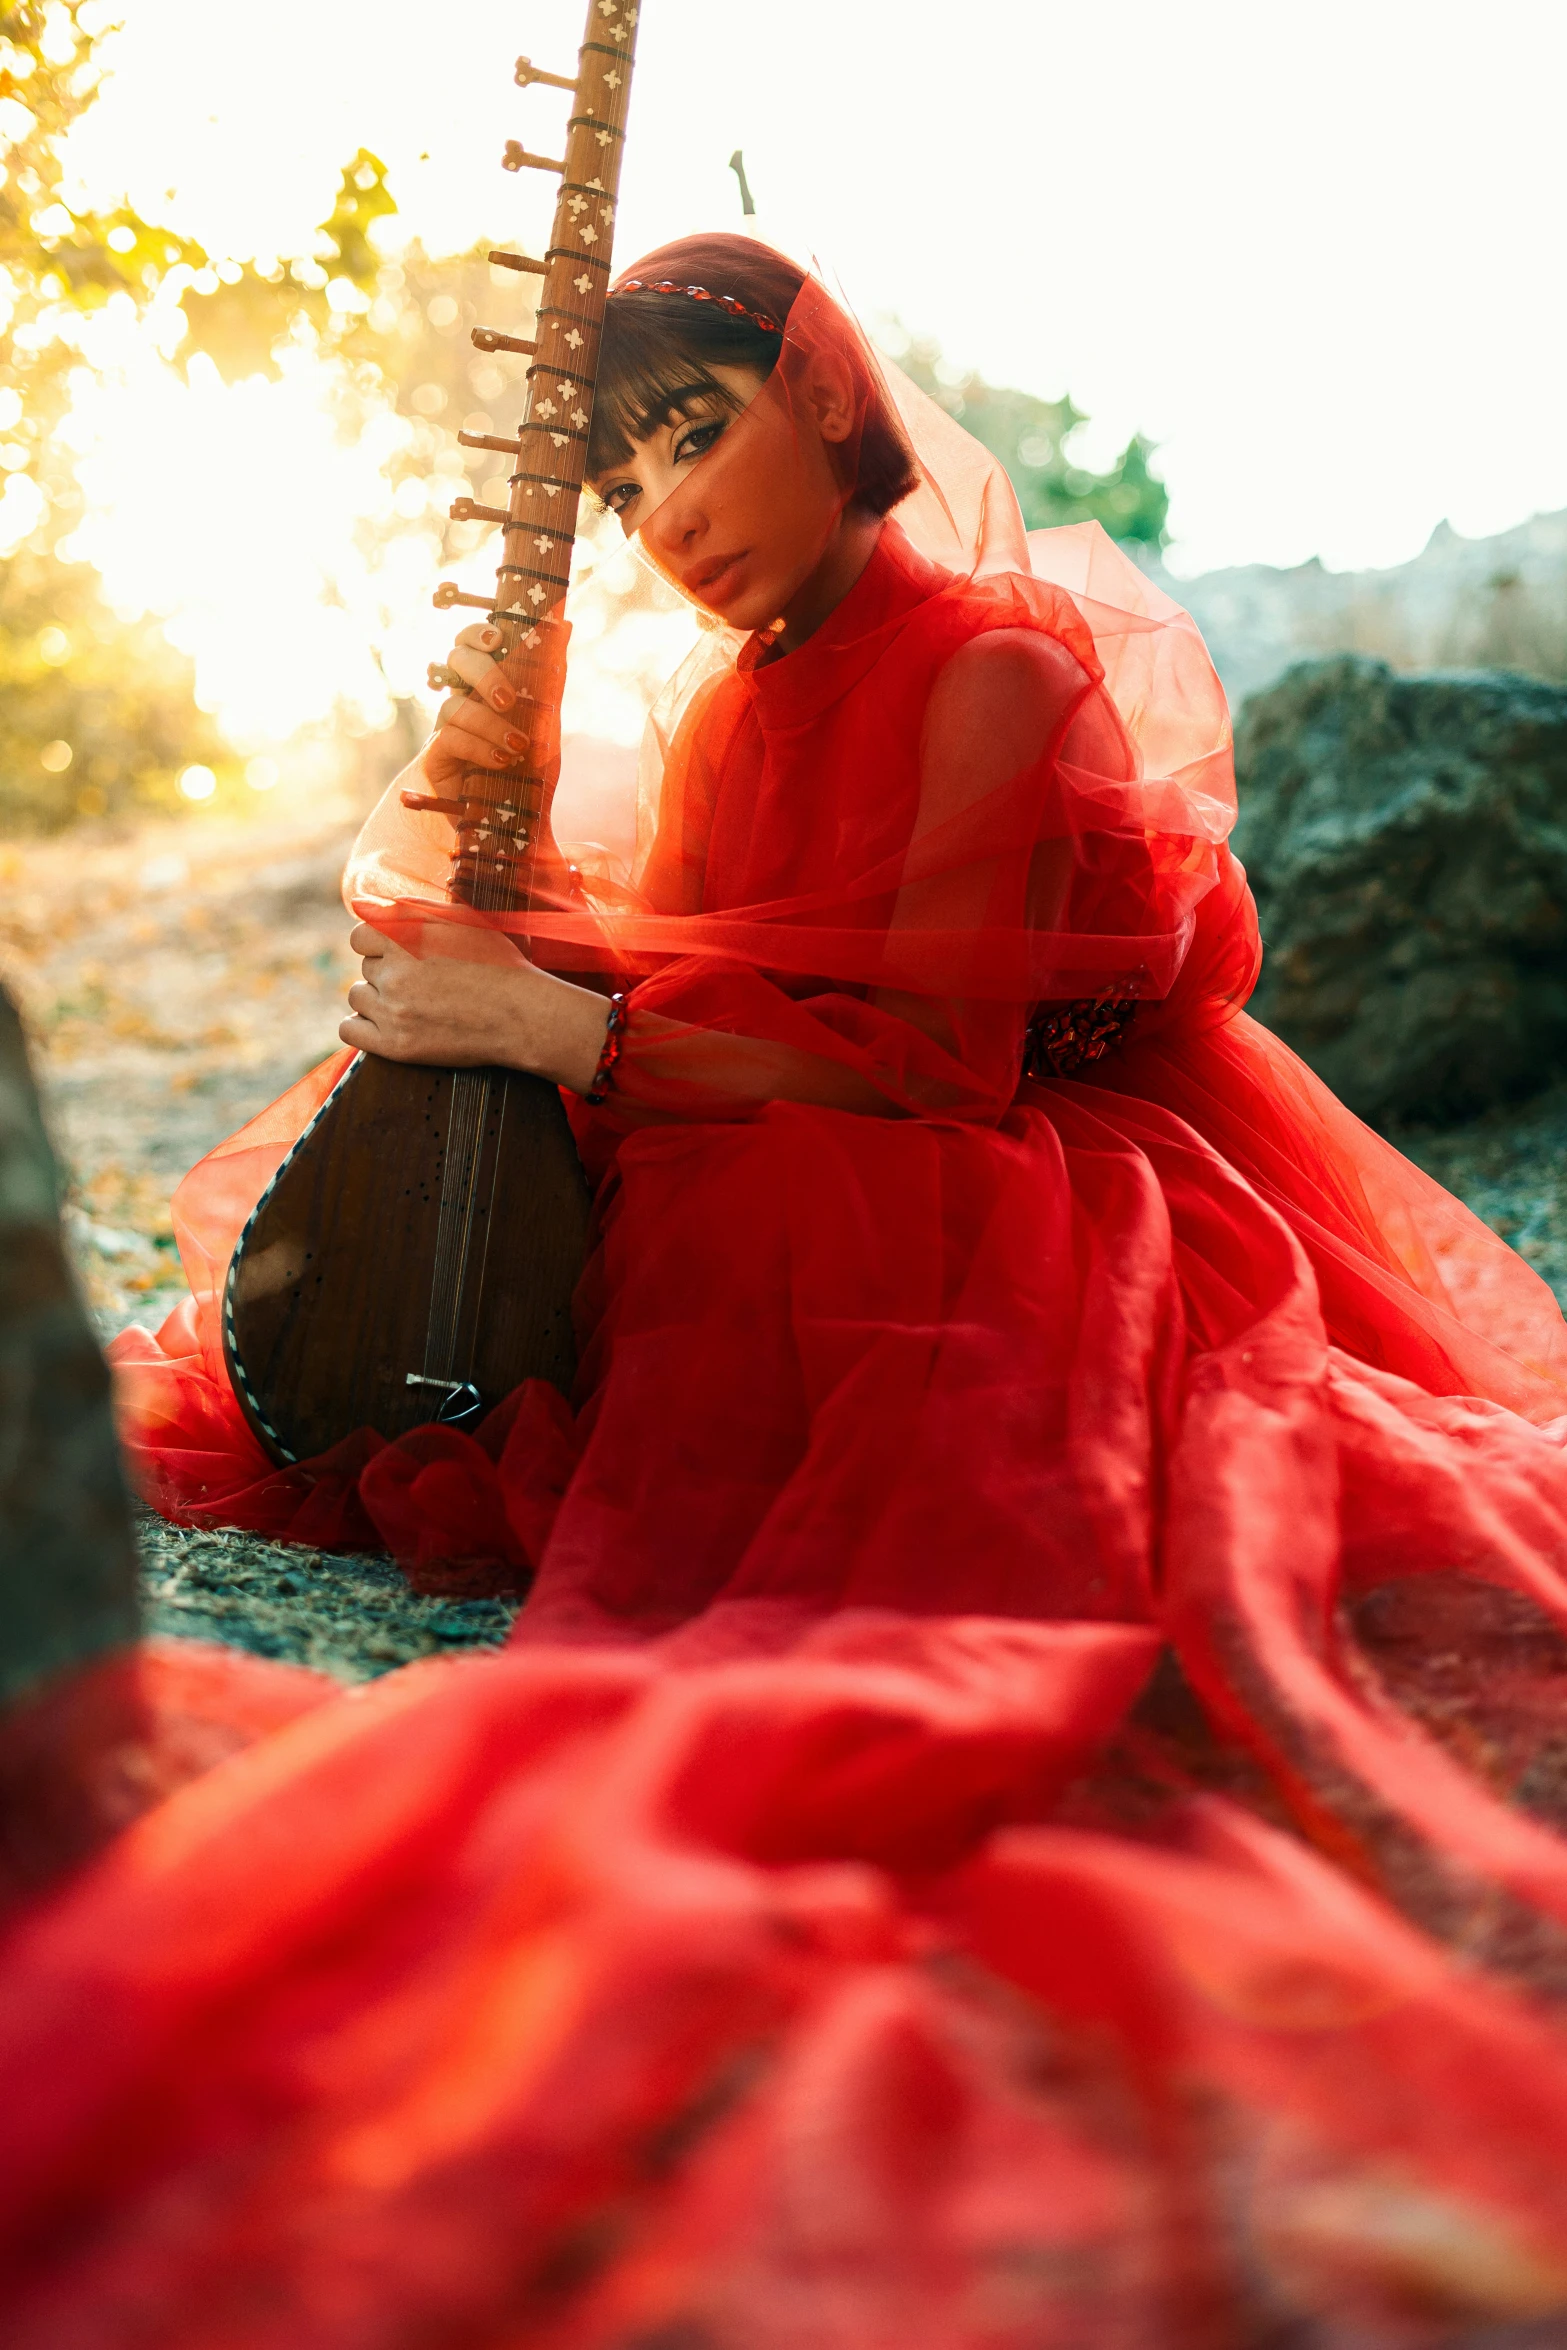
x=67, y=1563
x=1407, y=841
x=1491, y=603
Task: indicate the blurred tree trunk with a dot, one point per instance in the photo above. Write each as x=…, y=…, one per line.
x=67, y=1564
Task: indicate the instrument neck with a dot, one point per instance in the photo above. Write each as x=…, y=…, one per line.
x=503, y=815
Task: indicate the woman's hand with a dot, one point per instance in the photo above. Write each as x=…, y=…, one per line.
x=484, y=724
x=477, y=727
x=487, y=1008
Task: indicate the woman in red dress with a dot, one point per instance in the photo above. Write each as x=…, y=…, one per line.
x=1020, y=1807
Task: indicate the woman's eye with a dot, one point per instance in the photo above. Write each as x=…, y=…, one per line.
x=697, y=441
x=619, y=496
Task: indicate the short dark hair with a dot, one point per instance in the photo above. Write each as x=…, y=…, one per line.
x=659, y=350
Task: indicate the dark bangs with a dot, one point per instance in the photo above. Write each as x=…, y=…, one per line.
x=657, y=355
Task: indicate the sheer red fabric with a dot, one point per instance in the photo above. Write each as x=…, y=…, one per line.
x=833, y=1922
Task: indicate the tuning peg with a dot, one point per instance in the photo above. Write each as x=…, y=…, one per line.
x=489, y=338
x=449, y=593
x=428, y=805
x=520, y=261
x=489, y=440
x=528, y=72
x=464, y=510
x=517, y=158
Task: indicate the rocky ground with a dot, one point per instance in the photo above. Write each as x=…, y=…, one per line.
x=175, y=980
x=172, y=979
x=352, y=1617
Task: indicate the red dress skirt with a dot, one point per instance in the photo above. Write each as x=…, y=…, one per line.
x=1019, y=1809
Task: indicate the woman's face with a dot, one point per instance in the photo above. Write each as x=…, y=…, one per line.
x=737, y=498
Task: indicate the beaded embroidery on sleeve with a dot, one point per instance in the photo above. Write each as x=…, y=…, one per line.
x=1059, y=1043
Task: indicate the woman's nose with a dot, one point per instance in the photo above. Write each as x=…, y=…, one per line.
x=677, y=523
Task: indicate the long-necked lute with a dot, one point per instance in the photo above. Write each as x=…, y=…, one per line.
x=415, y=1255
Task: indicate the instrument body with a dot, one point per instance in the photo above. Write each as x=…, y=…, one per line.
x=351, y=1304
x=415, y=1255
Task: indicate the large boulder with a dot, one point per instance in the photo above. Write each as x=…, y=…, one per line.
x=67, y=1565
x=1406, y=837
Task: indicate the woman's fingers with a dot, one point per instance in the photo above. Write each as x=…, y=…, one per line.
x=477, y=670
x=462, y=746
x=359, y=1028
x=475, y=727
x=477, y=737
x=469, y=715
x=482, y=639
x=365, y=939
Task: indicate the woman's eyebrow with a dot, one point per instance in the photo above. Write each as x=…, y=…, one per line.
x=673, y=408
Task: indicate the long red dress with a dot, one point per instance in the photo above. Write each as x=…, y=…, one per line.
x=836, y=1921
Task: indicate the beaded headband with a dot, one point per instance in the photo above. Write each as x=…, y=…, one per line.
x=735, y=308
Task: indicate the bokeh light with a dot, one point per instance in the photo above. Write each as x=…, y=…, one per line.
x=1324, y=288
x=297, y=608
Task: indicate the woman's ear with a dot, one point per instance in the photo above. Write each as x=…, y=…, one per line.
x=829, y=395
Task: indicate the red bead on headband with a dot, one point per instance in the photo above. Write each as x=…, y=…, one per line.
x=736, y=309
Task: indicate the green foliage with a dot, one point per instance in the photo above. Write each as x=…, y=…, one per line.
x=1031, y=436
x=400, y=327
x=55, y=264
x=241, y=323
x=244, y=314
x=97, y=717
x=115, y=695
x=402, y=342
x=343, y=247
x=49, y=77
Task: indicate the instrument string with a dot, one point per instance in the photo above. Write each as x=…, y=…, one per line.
x=499, y=818
x=495, y=886
x=475, y=1096
x=454, y=1232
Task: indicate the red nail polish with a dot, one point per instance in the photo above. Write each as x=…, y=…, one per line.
x=514, y=740
x=502, y=696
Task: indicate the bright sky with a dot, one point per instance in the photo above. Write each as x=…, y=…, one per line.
x=1316, y=251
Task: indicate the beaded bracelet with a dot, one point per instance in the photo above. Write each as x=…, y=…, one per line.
x=598, y=1091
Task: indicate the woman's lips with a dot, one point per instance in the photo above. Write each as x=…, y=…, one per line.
x=718, y=574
